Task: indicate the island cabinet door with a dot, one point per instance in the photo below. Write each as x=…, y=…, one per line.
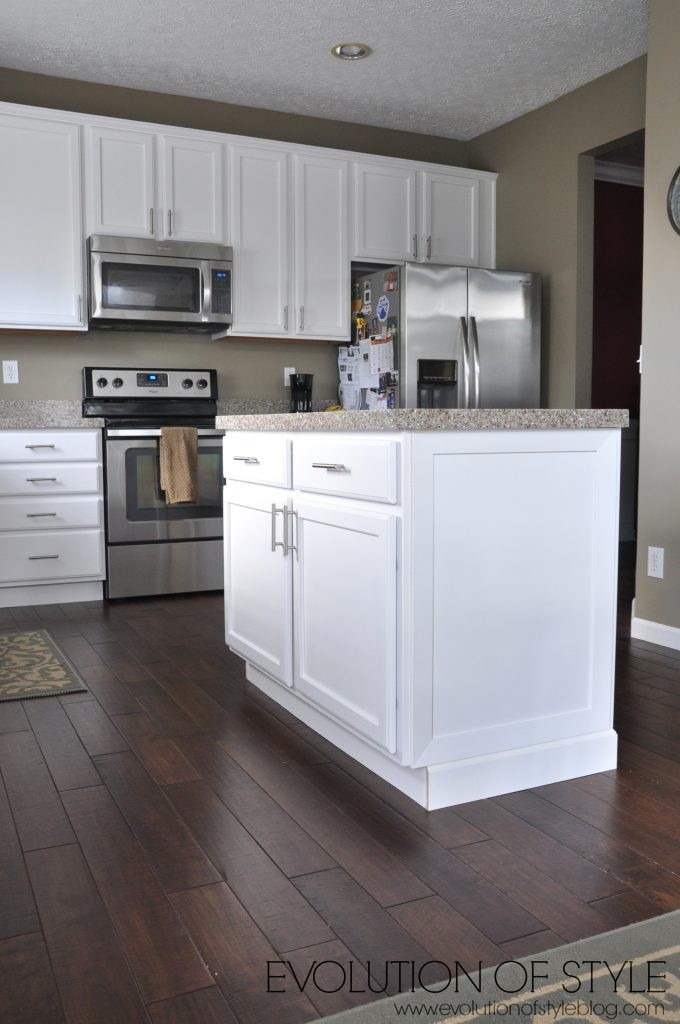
x=258, y=578
x=345, y=616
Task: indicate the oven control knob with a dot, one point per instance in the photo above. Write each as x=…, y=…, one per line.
x=102, y=382
x=117, y=382
x=187, y=382
x=201, y=383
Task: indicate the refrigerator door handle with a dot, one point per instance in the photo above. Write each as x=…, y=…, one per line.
x=475, y=361
x=466, y=364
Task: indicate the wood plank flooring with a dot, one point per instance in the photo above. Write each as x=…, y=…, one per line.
x=168, y=832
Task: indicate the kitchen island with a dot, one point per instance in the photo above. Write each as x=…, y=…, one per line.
x=432, y=591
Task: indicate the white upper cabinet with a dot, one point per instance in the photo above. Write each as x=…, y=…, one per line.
x=121, y=178
x=385, y=211
x=321, y=231
x=192, y=190
x=41, y=260
x=449, y=218
x=258, y=218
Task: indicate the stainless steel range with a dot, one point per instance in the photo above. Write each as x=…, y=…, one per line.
x=152, y=547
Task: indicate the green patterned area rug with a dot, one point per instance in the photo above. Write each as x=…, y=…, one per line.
x=31, y=665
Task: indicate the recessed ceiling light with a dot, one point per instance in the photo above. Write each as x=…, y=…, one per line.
x=350, y=51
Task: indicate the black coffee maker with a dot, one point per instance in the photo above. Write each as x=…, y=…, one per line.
x=301, y=392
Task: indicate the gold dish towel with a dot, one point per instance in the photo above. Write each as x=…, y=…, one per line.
x=178, y=464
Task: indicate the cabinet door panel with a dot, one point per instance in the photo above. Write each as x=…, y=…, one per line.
x=345, y=616
x=322, y=277
x=41, y=271
x=193, y=208
x=121, y=182
x=450, y=214
x=258, y=216
x=385, y=212
x=257, y=580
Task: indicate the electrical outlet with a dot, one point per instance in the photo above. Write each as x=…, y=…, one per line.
x=10, y=371
x=287, y=370
x=655, y=562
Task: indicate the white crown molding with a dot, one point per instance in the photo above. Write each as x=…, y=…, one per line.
x=619, y=174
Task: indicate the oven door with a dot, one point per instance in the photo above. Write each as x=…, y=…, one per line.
x=159, y=289
x=135, y=504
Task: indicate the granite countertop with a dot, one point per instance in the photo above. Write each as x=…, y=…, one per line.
x=432, y=419
x=43, y=413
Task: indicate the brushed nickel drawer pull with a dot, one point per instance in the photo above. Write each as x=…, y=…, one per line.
x=250, y=459
x=41, y=479
x=40, y=558
x=32, y=446
x=39, y=515
x=332, y=467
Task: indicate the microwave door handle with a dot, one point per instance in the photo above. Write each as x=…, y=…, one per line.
x=206, y=292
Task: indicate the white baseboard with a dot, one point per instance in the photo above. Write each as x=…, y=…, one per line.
x=509, y=771
x=50, y=593
x=655, y=632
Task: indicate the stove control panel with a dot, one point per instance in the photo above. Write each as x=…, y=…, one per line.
x=122, y=382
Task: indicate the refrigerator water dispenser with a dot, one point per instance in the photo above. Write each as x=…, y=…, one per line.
x=437, y=384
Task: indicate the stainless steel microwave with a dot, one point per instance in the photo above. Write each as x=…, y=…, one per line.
x=141, y=284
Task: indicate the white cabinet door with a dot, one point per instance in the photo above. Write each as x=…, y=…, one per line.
x=345, y=616
x=258, y=579
x=41, y=263
x=385, y=211
x=258, y=218
x=120, y=182
x=322, y=272
x=450, y=218
x=193, y=187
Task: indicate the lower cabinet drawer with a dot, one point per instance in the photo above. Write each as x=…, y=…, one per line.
x=257, y=458
x=62, y=554
x=353, y=468
x=49, y=445
x=50, y=513
x=54, y=478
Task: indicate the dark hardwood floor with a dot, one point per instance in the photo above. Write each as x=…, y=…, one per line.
x=168, y=832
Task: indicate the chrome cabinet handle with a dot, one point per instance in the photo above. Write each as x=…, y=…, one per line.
x=169, y=223
x=285, y=318
x=466, y=364
x=39, y=515
x=279, y=543
x=302, y=318
x=429, y=247
x=41, y=479
x=250, y=459
x=151, y=218
x=289, y=516
x=475, y=361
x=40, y=558
x=415, y=247
x=40, y=446
x=332, y=467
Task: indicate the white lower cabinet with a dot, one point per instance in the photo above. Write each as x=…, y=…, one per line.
x=258, y=594
x=345, y=615
x=453, y=630
x=51, y=516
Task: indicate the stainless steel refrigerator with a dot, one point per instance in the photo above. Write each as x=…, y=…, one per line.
x=463, y=337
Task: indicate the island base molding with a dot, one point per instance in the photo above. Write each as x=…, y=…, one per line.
x=457, y=782
x=51, y=593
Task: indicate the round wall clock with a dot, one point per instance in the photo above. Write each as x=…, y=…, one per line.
x=673, y=203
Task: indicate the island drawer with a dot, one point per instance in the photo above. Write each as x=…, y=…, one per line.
x=54, y=478
x=353, y=468
x=50, y=512
x=61, y=554
x=257, y=458
x=49, y=445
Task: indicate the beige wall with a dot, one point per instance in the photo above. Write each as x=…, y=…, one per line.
x=537, y=157
x=50, y=367
x=659, y=481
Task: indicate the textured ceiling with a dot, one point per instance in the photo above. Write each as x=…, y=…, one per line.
x=443, y=67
